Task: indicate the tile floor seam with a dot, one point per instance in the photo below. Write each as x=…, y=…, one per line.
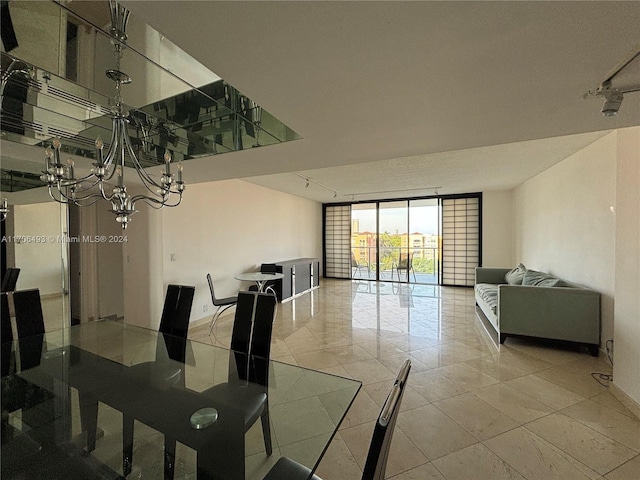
x=567, y=453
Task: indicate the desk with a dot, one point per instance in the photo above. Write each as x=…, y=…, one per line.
x=96, y=359
x=260, y=278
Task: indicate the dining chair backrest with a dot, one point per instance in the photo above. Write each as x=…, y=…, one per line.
x=376, y=463
x=28, y=310
x=6, y=334
x=10, y=279
x=268, y=268
x=30, y=326
x=177, y=310
x=214, y=299
x=251, y=336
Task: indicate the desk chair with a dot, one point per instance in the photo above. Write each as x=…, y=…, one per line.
x=174, y=327
x=376, y=464
x=405, y=262
x=222, y=303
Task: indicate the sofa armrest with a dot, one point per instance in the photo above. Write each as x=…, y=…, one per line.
x=560, y=313
x=491, y=275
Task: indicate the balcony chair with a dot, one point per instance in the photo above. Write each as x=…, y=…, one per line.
x=222, y=303
x=356, y=267
x=376, y=463
x=405, y=262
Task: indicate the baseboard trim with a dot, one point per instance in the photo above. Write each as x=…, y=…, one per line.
x=625, y=399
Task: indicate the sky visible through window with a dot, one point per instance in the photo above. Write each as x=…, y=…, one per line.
x=423, y=219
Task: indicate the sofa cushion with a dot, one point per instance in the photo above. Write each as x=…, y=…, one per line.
x=515, y=276
x=541, y=279
x=488, y=292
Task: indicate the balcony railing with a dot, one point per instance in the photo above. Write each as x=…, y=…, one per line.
x=425, y=262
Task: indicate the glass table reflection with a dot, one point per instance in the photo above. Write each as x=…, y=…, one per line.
x=54, y=379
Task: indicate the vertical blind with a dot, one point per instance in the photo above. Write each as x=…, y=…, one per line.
x=460, y=240
x=337, y=241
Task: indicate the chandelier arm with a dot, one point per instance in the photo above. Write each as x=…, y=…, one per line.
x=144, y=176
x=152, y=202
x=73, y=199
x=77, y=182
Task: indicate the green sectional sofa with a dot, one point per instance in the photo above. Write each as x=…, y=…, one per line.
x=527, y=303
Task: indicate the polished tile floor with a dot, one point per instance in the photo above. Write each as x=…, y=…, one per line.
x=470, y=411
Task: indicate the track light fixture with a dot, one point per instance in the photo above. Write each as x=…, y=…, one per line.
x=613, y=96
x=308, y=181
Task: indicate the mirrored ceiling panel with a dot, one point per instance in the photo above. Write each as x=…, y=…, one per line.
x=54, y=85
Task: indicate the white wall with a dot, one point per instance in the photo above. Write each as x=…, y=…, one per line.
x=109, y=263
x=38, y=254
x=497, y=229
x=564, y=225
x=222, y=228
x=626, y=367
x=142, y=268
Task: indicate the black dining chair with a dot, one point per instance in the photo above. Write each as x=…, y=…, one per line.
x=30, y=328
x=222, y=303
x=174, y=327
x=6, y=337
x=10, y=279
x=29, y=325
x=247, y=383
x=376, y=463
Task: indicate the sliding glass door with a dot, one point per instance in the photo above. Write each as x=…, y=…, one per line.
x=396, y=241
x=432, y=240
x=424, y=240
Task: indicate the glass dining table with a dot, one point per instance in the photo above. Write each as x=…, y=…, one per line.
x=65, y=395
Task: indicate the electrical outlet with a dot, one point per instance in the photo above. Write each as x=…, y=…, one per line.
x=173, y=257
x=205, y=308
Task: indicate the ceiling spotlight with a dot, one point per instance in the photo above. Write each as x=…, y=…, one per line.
x=613, y=96
x=612, y=101
x=335, y=194
x=307, y=184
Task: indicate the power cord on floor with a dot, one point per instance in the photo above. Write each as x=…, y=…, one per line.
x=604, y=378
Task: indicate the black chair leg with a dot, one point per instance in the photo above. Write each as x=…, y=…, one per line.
x=266, y=430
x=169, y=458
x=127, y=444
x=89, y=419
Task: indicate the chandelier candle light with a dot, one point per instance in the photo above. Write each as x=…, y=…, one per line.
x=64, y=187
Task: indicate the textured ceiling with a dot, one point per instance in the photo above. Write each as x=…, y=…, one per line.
x=396, y=82
x=387, y=96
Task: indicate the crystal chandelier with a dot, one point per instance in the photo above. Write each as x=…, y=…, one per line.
x=64, y=187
